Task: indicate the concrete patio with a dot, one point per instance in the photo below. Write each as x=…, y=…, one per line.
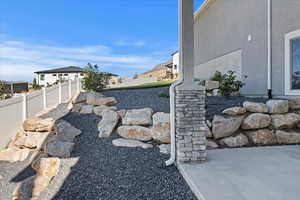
x=262, y=173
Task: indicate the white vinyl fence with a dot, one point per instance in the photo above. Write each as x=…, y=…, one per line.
x=14, y=111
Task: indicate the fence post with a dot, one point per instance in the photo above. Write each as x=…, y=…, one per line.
x=44, y=98
x=59, y=93
x=70, y=89
x=24, y=107
x=78, y=86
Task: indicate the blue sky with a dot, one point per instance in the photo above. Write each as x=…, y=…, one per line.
x=122, y=37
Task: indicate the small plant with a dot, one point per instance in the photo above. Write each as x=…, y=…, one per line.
x=228, y=83
x=4, y=92
x=164, y=95
x=35, y=86
x=94, y=80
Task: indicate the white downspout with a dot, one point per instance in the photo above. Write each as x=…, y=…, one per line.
x=270, y=48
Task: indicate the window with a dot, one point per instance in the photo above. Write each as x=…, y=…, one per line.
x=292, y=63
x=42, y=77
x=66, y=74
x=53, y=74
x=175, y=66
x=60, y=75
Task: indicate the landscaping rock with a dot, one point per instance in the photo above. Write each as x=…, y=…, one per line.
x=80, y=98
x=121, y=113
x=98, y=110
x=164, y=148
x=98, y=99
x=161, y=127
x=224, y=126
x=108, y=123
x=235, y=141
x=46, y=166
x=211, y=144
x=86, y=109
x=66, y=132
x=256, y=121
x=208, y=123
x=235, y=111
x=31, y=188
x=261, y=137
x=287, y=137
x=59, y=149
x=37, y=124
x=121, y=142
x=14, y=154
x=215, y=92
x=294, y=104
x=255, y=107
x=210, y=85
x=32, y=140
x=208, y=132
x=139, y=117
x=284, y=121
x=278, y=106
x=135, y=133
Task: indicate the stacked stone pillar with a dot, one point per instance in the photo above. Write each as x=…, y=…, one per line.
x=190, y=125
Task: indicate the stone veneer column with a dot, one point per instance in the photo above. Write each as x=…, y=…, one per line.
x=190, y=129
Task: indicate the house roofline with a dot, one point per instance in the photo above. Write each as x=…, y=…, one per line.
x=204, y=6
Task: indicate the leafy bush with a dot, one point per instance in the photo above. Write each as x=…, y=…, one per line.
x=228, y=83
x=164, y=95
x=4, y=92
x=35, y=86
x=94, y=80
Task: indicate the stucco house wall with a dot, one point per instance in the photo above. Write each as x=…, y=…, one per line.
x=51, y=79
x=229, y=28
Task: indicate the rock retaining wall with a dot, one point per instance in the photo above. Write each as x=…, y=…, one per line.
x=256, y=124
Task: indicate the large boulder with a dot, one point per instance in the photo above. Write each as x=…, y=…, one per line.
x=86, y=109
x=14, y=154
x=46, y=166
x=108, y=123
x=59, y=149
x=37, y=124
x=122, y=113
x=224, y=126
x=135, y=133
x=121, y=142
x=31, y=188
x=211, y=144
x=294, y=104
x=235, y=111
x=256, y=121
x=97, y=99
x=66, y=132
x=287, y=137
x=255, y=107
x=138, y=117
x=235, y=141
x=278, y=106
x=161, y=127
x=32, y=140
x=98, y=110
x=284, y=121
x=261, y=137
x=80, y=98
x=211, y=85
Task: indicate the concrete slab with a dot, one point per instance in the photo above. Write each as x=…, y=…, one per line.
x=262, y=173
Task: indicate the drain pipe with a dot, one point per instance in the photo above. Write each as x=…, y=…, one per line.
x=270, y=49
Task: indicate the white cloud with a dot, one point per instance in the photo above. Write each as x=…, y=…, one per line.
x=125, y=43
x=19, y=59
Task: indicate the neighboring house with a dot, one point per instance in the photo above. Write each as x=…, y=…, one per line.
x=16, y=86
x=52, y=76
x=160, y=71
x=259, y=39
x=175, y=58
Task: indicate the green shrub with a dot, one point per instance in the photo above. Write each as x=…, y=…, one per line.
x=35, y=86
x=228, y=83
x=94, y=80
x=4, y=92
x=164, y=95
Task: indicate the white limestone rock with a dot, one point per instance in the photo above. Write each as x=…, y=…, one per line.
x=66, y=132
x=14, y=154
x=97, y=99
x=261, y=137
x=161, y=127
x=255, y=107
x=31, y=140
x=235, y=111
x=87, y=109
x=256, y=121
x=108, y=123
x=288, y=137
x=138, y=117
x=135, y=133
x=235, y=141
x=98, y=110
x=284, y=121
x=121, y=142
x=211, y=85
x=37, y=124
x=224, y=126
x=294, y=104
x=278, y=106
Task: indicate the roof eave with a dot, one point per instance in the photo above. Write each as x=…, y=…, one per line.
x=205, y=5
